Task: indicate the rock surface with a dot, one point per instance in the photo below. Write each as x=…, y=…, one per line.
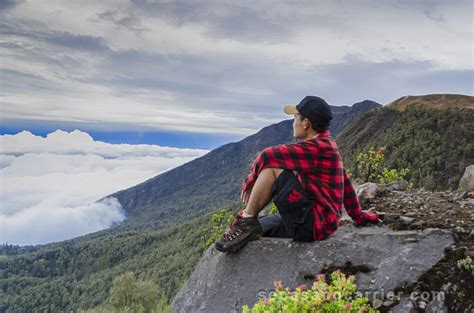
x=449, y=210
x=370, y=191
x=467, y=181
x=385, y=259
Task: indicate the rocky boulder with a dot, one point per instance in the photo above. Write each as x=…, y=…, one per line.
x=382, y=260
x=467, y=181
x=370, y=191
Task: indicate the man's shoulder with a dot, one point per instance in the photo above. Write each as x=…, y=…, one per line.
x=313, y=143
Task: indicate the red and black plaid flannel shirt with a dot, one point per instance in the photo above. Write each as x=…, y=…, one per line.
x=325, y=180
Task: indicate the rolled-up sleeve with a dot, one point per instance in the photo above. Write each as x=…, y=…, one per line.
x=289, y=156
x=352, y=205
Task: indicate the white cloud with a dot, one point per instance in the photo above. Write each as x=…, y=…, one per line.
x=75, y=142
x=48, y=186
x=43, y=224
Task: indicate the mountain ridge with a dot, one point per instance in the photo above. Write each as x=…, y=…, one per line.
x=434, y=102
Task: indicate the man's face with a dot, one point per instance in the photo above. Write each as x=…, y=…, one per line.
x=298, y=126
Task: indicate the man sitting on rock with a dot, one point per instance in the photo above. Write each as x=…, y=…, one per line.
x=306, y=181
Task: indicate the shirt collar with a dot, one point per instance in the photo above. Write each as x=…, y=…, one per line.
x=325, y=133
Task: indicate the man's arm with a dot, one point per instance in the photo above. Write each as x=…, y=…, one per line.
x=289, y=156
x=352, y=206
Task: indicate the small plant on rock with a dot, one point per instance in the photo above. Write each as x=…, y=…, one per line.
x=389, y=176
x=338, y=296
x=219, y=221
x=466, y=265
x=271, y=210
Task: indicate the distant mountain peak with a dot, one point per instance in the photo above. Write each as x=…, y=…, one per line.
x=365, y=103
x=439, y=102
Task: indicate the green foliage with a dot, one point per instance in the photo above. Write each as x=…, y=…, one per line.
x=370, y=168
x=269, y=209
x=338, y=296
x=219, y=221
x=127, y=293
x=466, y=265
x=369, y=164
x=130, y=295
x=273, y=209
x=392, y=175
x=8, y=249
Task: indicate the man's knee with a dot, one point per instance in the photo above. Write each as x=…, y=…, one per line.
x=275, y=172
x=278, y=171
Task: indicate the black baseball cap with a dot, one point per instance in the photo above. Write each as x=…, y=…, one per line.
x=314, y=108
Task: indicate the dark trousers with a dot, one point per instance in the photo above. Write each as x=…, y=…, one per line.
x=273, y=226
x=295, y=217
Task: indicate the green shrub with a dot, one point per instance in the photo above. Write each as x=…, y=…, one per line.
x=369, y=164
x=466, y=265
x=219, y=222
x=370, y=168
x=338, y=296
x=393, y=175
x=129, y=295
x=272, y=209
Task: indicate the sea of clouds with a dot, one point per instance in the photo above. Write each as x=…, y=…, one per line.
x=49, y=185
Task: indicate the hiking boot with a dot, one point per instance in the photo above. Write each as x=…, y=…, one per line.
x=241, y=231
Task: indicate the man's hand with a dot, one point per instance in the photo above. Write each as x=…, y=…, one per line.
x=369, y=223
x=245, y=195
x=381, y=217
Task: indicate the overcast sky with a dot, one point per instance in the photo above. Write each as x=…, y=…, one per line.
x=221, y=67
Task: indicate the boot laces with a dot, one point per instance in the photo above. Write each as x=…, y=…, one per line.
x=233, y=231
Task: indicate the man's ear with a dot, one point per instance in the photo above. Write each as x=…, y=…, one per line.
x=307, y=122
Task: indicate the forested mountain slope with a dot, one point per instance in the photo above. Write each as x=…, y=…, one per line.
x=431, y=135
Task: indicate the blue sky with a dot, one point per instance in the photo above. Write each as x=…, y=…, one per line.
x=139, y=136
x=202, y=73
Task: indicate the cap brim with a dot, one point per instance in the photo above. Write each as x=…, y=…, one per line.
x=290, y=109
